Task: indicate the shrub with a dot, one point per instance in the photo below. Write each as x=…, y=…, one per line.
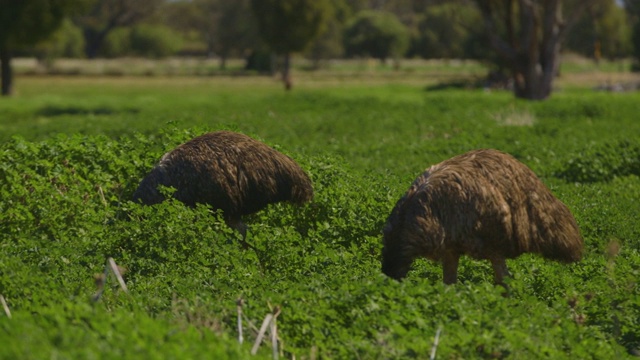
x=117, y=43
x=603, y=163
x=66, y=42
x=144, y=40
x=443, y=32
x=377, y=34
x=154, y=41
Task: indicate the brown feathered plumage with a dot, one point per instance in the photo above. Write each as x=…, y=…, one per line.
x=485, y=204
x=229, y=171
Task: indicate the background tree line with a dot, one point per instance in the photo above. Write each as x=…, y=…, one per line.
x=499, y=33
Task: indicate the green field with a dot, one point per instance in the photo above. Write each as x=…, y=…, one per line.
x=73, y=149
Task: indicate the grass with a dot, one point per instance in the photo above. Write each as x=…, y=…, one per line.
x=74, y=148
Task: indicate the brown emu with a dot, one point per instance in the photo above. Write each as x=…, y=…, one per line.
x=228, y=171
x=485, y=204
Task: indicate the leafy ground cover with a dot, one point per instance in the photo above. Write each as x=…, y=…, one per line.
x=74, y=149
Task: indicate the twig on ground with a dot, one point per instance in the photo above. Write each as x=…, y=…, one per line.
x=104, y=200
x=263, y=329
x=436, y=340
x=239, y=304
x=5, y=306
x=274, y=332
x=269, y=322
x=250, y=323
x=101, y=280
x=116, y=270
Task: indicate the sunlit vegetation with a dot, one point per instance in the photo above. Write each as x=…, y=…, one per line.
x=74, y=149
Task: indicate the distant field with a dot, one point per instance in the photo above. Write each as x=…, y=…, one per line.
x=575, y=70
x=73, y=149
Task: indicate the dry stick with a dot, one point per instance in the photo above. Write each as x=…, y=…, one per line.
x=435, y=343
x=274, y=338
x=250, y=324
x=263, y=329
x=104, y=201
x=116, y=271
x=239, y=303
x=101, y=283
x=274, y=332
x=5, y=306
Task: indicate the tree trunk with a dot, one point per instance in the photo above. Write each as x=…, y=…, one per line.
x=93, y=41
x=531, y=49
x=530, y=81
x=286, y=72
x=5, y=71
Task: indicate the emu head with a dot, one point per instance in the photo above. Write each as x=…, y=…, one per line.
x=147, y=192
x=396, y=263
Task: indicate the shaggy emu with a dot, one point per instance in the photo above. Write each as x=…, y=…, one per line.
x=485, y=204
x=228, y=171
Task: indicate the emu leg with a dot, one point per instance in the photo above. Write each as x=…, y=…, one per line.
x=241, y=227
x=450, y=268
x=500, y=270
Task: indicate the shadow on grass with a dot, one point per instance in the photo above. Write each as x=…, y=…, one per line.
x=52, y=111
x=454, y=85
x=493, y=81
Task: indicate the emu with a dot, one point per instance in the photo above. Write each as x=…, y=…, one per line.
x=230, y=172
x=484, y=204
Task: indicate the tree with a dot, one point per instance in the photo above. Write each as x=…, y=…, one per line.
x=531, y=46
x=235, y=29
x=632, y=8
x=107, y=15
x=443, y=31
x=225, y=27
x=289, y=26
x=329, y=44
x=603, y=31
x=635, y=38
x=377, y=34
x=24, y=23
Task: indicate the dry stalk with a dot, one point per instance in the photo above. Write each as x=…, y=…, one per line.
x=101, y=280
x=263, y=329
x=268, y=322
x=436, y=340
x=116, y=270
x=239, y=304
x=5, y=306
x=274, y=332
x=104, y=201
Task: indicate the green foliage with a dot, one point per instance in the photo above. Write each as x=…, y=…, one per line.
x=604, y=162
x=143, y=40
x=377, y=34
x=65, y=209
x=66, y=329
x=117, y=43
